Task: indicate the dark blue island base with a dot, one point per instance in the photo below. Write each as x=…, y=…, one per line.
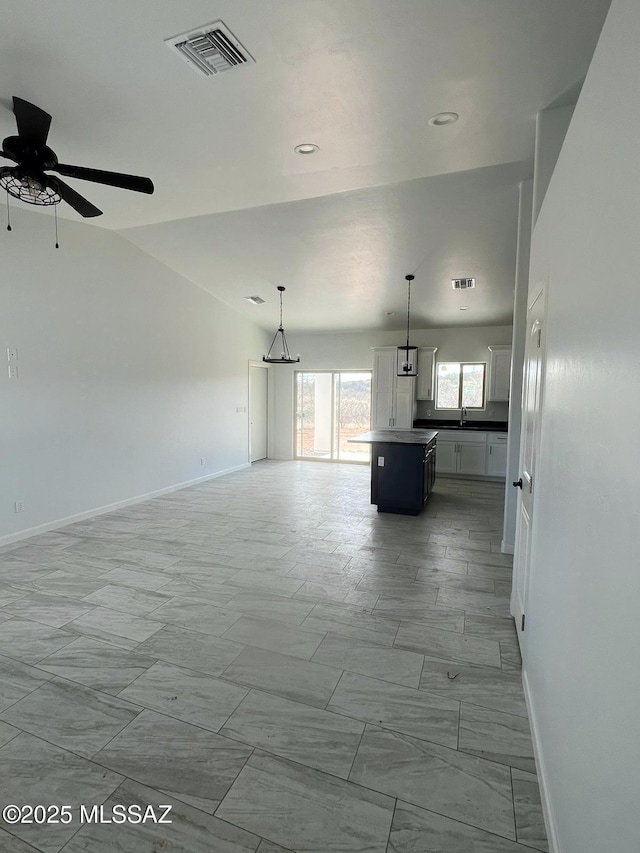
x=403, y=468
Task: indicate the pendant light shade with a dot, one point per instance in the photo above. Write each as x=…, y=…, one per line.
x=272, y=356
x=407, y=356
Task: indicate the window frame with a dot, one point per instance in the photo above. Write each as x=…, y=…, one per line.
x=463, y=364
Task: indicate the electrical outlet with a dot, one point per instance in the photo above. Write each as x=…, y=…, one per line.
x=13, y=371
x=19, y=506
x=202, y=460
x=428, y=413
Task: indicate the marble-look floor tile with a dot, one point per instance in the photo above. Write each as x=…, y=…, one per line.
x=197, y=616
x=306, y=810
x=316, y=738
x=270, y=847
x=474, y=602
x=53, y=610
x=19, y=571
x=191, y=830
x=136, y=601
x=17, y=680
x=61, y=777
x=323, y=620
x=84, y=719
x=330, y=592
x=530, y=826
x=275, y=636
x=389, y=664
x=31, y=641
x=284, y=675
x=490, y=627
x=191, y=649
x=121, y=576
x=267, y=581
x=11, y=844
x=96, y=664
x=484, y=686
x=448, y=645
x=500, y=737
x=186, y=694
x=63, y=582
x=114, y=626
x=267, y=606
x=7, y=733
x=8, y=594
x=176, y=758
x=425, y=774
x=407, y=610
x=415, y=830
x=510, y=655
x=403, y=709
x=209, y=592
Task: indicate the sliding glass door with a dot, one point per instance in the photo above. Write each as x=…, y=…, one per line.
x=330, y=408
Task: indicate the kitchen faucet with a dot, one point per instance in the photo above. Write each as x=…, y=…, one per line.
x=463, y=414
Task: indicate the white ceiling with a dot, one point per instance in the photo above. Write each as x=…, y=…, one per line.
x=360, y=78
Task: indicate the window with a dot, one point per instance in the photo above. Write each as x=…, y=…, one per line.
x=460, y=385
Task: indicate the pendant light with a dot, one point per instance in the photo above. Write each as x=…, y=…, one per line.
x=285, y=356
x=407, y=356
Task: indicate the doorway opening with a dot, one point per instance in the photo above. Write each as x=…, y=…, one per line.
x=258, y=409
x=332, y=406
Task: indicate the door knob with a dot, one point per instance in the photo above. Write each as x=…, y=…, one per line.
x=518, y=483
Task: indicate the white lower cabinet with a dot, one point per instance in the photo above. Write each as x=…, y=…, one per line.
x=471, y=453
x=496, y=455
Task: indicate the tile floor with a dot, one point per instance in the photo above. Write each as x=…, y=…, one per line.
x=285, y=667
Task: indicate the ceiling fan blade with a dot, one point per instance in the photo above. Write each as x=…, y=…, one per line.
x=111, y=179
x=33, y=123
x=77, y=202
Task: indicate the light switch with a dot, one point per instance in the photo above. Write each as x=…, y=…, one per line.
x=380, y=461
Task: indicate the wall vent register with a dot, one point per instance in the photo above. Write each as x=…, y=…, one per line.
x=211, y=49
x=463, y=283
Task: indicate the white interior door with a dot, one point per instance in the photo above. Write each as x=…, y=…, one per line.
x=530, y=438
x=258, y=389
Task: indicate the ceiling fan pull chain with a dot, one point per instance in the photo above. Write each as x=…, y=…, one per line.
x=8, y=215
x=55, y=213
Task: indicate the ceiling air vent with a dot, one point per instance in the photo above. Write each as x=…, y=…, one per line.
x=211, y=49
x=255, y=300
x=463, y=283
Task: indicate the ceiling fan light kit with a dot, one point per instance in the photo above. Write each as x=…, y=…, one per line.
x=285, y=355
x=27, y=181
x=407, y=355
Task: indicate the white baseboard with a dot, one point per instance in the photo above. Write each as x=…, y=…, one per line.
x=547, y=810
x=507, y=548
x=101, y=510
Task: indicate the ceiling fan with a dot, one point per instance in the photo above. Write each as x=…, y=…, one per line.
x=27, y=180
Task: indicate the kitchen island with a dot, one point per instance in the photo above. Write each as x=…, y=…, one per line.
x=403, y=468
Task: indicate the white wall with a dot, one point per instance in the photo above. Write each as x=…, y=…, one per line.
x=551, y=129
x=128, y=374
x=581, y=661
x=352, y=350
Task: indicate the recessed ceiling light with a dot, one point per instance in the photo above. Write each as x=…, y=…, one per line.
x=390, y=313
x=441, y=119
x=306, y=148
x=255, y=300
x=464, y=307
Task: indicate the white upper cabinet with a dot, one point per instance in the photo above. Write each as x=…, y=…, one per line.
x=425, y=383
x=393, y=397
x=499, y=374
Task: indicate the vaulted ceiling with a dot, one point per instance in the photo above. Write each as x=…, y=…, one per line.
x=238, y=212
